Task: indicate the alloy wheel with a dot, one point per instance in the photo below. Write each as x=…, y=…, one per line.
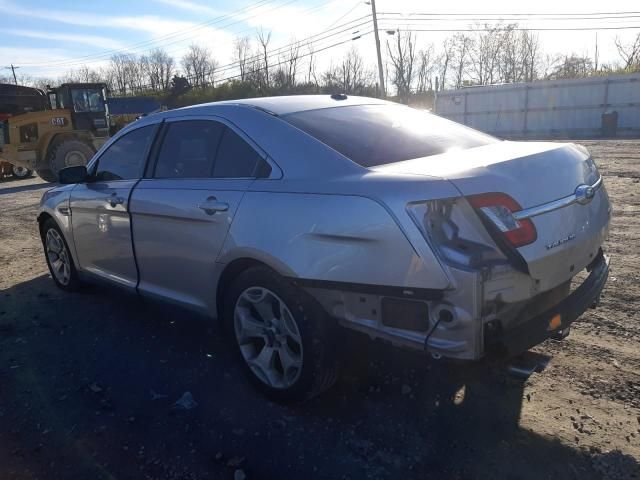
x=58, y=257
x=268, y=337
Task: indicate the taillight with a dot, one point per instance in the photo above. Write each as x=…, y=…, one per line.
x=499, y=208
x=454, y=232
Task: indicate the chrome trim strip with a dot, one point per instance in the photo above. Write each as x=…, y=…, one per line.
x=551, y=206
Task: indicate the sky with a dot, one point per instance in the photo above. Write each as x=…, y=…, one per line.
x=46, y=39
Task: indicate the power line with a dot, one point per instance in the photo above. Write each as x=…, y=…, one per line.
x=148, y=43
x=276, y=64
x=318, y=37
x=312, y=39
x=309, y=10
x=299, y=57
x=504, y=18
x=279, y=51
x=356, y=5
x=517, y=29
x=458, y=14
x=71, y=63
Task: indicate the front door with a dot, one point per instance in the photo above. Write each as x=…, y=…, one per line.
x=100, y=209
x=181, y=214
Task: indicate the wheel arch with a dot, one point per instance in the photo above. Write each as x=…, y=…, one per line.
x=42, y=218
x=230, y=272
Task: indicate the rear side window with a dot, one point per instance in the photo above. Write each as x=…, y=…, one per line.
x=237, y=159
x=125, y=158
x=189, y=149
x=373, y=135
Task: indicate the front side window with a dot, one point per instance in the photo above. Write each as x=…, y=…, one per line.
x=87, y=100
x=189, y=149
x=373, y=135
x=125, y=158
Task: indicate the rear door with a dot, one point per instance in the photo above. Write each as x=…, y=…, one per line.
x=182, y=210
x=100, y=209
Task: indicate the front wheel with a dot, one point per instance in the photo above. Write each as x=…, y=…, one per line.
x=59, y=260
x=282, y=335
x=21, y=172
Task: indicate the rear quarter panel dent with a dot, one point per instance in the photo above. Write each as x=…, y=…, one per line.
x=327, y=237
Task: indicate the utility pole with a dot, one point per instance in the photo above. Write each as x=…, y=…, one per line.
x=375, y=31
x=13, y=69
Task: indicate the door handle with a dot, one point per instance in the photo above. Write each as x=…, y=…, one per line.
x=212, y=205
x=115, y=200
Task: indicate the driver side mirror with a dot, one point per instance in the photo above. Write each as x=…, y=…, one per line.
x=75, y=174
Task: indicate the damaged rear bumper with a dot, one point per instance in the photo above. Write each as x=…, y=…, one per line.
x=411, y=322
x=554, y=322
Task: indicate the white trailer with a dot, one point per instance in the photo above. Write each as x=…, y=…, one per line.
x=547, y=109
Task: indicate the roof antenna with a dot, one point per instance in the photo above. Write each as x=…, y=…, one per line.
x=339, y=96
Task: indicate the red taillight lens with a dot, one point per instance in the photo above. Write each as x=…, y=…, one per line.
x=499, y=208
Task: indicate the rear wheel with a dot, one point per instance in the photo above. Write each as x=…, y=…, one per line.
x=281, y=334
x=59, y=260
x=21, y=172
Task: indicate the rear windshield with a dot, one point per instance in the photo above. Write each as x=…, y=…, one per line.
x=373, y=135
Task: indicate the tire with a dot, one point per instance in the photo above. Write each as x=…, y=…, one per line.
x=47, y=175
x=301, y=332
x=67, y=278
x=20, y=172
x=68, y=153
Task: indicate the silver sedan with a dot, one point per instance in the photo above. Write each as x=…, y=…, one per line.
x=289, y=218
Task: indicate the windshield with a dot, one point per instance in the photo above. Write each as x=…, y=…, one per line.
x=87, y=100
x=373, y=135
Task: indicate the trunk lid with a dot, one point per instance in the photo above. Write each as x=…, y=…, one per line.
x=533, y=174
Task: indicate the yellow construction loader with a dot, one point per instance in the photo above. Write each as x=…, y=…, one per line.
x=48, y=131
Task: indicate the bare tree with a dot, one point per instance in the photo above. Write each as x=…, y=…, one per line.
x=288, y=67
x=444, y=61
x=41, y=82
x=350, y=76
x=426, y=67
x=312, y=77
x=118, y=65
x=242, y=47
x=136, y=74
x=530, y=54
x=462, y=45
x=199, y=65
x=487, y=52
x=264, y=39
x=83, y=74
x=402, y=56
x=629, y=53
x=520, y=56
x=570, y=66
x=161, y=68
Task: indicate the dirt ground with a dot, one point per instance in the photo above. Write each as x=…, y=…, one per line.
x=88, y=381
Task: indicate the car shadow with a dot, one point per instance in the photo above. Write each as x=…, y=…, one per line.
x=25, y=188
x=90, y=380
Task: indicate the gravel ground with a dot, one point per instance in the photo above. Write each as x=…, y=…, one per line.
x=88, y=382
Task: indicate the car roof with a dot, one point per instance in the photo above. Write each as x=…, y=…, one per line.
x=296, y=103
